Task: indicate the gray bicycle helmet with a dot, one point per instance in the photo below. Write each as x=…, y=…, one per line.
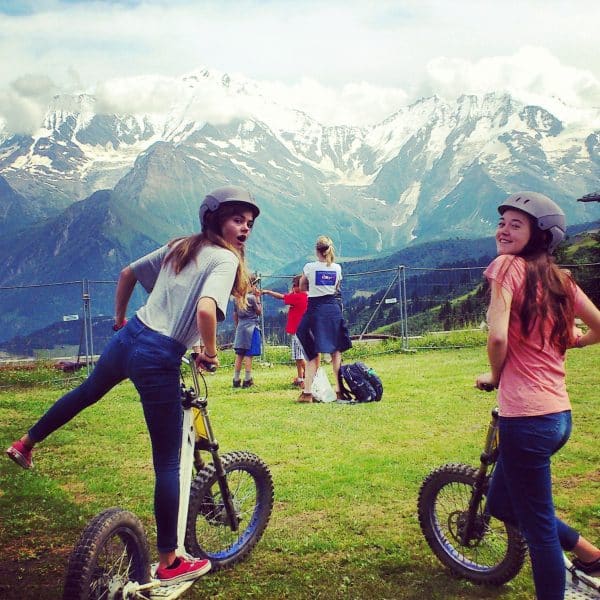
x=547, y=214
x=228, y=193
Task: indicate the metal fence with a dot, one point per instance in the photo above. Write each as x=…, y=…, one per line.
x=74, y=318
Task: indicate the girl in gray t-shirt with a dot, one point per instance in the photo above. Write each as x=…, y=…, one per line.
x=189, y=281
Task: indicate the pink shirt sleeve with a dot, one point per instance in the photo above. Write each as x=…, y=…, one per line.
x=579, y=296
x=508, y=271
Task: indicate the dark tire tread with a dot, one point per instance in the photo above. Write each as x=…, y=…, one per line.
x=98, y=532
x=514, y=557
x=207, y=479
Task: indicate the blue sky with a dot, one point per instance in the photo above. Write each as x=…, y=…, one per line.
x=369, y=57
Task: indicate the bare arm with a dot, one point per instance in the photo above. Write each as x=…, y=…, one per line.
x=272, y=293
x=206, y=321
x=125, y=285
x=258, y=305
x=497, y=344
x=304, y=283
x=590, y=315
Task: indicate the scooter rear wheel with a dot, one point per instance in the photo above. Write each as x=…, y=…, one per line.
x=111, y=552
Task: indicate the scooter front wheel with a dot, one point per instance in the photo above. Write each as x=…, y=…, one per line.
x=209, y=533
x=493, y=554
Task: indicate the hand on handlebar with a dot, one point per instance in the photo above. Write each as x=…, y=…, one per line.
x=204, y=362
x=486, y=383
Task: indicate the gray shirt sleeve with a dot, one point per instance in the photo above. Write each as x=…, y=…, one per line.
x=218, y=285
x=147, y=268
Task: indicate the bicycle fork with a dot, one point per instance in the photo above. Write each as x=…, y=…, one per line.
x=188, y=440
x=212, y=445
x=487, y=459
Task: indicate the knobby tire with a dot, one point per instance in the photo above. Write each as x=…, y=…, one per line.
x=111, y=551
x=496, y=552
x=208, y=533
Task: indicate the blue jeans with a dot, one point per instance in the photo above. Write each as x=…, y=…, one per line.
x=521, y=494
x=151, y=360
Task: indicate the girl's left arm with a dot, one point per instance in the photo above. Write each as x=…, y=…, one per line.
x=206, y=321
x=498, y=316
x=590, y=315
x=272, y=294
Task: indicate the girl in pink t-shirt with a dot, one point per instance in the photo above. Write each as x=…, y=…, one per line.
x=531, y=318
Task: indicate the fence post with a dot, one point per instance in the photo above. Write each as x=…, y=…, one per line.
x=87, y=326
x=405, y=302
x=91, y=327
x=402, y=304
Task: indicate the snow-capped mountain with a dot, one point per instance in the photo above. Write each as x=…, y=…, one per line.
x=433, y=170
x=394, y=177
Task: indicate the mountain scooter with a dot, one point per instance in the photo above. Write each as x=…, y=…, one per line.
x=466, y=538
x=223, y=512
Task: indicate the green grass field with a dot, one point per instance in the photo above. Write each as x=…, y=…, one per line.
x=346, y=479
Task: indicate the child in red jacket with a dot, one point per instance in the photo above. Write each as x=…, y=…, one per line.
x=297, y=301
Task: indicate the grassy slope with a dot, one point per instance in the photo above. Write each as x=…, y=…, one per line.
x=347, y=478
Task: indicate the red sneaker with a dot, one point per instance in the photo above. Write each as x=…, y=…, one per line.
x=20, y=454
x=183, y=569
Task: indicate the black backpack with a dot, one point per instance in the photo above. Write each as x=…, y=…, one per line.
x=359, y=383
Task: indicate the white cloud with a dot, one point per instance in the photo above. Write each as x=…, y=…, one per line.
x=24, y=104
x=135, y=95
x=20, y=115
x=340, y=61
x=34, y=86
x=529, y=74
x=162, y=95
x=354, y=103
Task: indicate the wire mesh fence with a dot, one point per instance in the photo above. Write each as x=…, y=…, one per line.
x=73, y=320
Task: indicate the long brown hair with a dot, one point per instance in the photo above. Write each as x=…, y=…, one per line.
x=184, y=249
x=548, y=292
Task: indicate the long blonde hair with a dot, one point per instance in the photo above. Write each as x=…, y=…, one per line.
x=325, y=248
x=184, y=249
